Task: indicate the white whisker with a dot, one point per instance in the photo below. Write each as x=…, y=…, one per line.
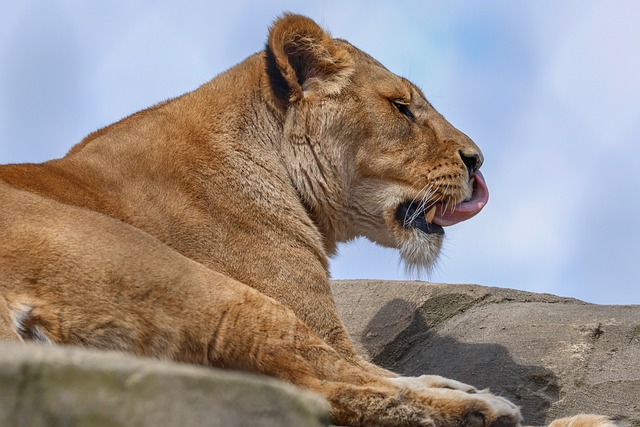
x=424, y=200
x=414, y=215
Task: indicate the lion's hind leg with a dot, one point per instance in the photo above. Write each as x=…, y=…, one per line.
x=291, y=351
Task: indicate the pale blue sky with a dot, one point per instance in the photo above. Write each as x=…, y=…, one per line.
x=550, y=90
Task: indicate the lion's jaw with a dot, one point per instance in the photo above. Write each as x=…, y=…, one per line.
x=395, y=216
x=345, y=203
x=374, y=215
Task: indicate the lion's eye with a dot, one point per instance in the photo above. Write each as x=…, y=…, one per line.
x=403, y=107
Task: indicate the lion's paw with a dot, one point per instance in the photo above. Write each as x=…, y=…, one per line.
x=500, y=412
x=480, y=409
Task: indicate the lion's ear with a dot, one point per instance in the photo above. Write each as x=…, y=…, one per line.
x=304, y=59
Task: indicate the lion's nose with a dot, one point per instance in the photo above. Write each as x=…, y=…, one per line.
x=472, y=161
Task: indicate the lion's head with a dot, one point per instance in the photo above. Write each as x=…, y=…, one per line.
x=368, y=154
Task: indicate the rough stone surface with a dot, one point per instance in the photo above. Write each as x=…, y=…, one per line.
x=553, y=356
x=71, y=387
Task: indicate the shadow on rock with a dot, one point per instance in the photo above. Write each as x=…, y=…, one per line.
x=419, y=350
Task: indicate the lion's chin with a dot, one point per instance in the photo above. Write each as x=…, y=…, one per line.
x=419, y=250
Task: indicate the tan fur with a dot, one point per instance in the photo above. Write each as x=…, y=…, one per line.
x=198, y=230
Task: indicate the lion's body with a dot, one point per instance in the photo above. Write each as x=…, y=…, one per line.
x=199, y=230
x=230, y=206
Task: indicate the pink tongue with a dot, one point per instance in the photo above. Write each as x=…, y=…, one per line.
x=464, y=210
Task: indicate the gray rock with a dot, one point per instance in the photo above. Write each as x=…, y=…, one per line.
x=552, y=356
x=71, y=387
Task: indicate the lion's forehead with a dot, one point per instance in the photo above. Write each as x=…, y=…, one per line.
x=376, y=77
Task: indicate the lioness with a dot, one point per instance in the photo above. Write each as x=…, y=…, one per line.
x=198, y=230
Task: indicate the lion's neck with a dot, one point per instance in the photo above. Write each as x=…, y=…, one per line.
x=316, y=183
x=311, y=169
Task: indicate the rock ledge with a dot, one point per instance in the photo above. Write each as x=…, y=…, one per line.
x=63, y=386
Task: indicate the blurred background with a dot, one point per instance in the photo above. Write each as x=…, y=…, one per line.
x=550, y=90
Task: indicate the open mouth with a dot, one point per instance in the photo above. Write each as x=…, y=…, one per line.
x=432, y=218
